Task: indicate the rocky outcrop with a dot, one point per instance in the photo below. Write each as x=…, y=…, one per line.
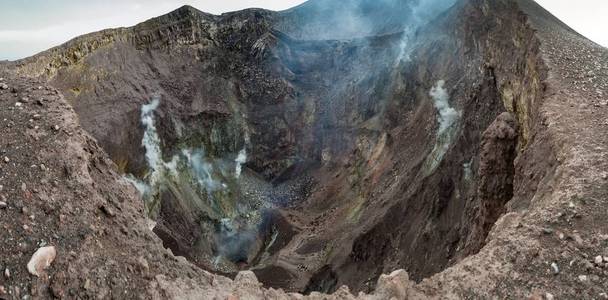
x=496, y=171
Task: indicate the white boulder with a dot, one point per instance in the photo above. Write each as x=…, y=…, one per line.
x=41, y=260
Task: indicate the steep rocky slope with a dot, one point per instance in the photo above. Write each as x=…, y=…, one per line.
x=464, y=145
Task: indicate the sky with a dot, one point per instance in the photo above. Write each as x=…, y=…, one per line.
x=30, y=26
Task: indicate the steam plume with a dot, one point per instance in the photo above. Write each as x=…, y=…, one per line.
x=240, y=160
x=447, y=117
x=151, y=140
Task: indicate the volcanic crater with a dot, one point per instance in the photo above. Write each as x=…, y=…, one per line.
x=324, y=145
x=314, y=153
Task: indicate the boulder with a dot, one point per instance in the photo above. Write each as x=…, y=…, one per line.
x=41, y=260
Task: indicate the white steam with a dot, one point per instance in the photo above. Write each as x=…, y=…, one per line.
x=448, y=118
x=468, y=171
x=148, y=187
x=423, y=12
x=203, y=174
x=447, y=115
x=193, y=161
x=190, y=166
x=240, y=160
x=142, y=187
x=151, y=140
x=202, y=170
x=234, y=239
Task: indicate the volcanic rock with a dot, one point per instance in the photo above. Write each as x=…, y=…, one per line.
x=41, y=260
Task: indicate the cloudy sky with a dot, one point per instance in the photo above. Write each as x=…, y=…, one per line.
x=30, y=26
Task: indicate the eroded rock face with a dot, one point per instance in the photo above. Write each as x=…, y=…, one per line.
x=496, y=168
